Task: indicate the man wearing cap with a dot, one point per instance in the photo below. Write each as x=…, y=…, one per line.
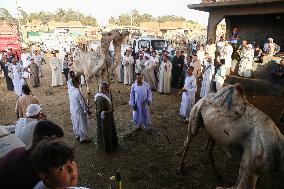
x=25, y=57
x=148, y=72
x=25, y=126
x=128, y=62
x=106, y=130
x=271, y=48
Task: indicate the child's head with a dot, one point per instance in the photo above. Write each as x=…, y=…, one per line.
x=190, y=70
x=54, y=162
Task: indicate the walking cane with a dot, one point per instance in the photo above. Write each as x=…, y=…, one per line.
x=88, y=110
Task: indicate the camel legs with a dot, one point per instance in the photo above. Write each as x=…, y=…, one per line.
x=192, y=133
x=247, y=177
x=212, y=144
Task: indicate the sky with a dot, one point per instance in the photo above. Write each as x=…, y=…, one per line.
x=102, y=10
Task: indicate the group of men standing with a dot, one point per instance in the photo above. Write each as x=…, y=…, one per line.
x=16, y=71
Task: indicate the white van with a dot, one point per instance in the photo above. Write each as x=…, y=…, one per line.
x=148, y=42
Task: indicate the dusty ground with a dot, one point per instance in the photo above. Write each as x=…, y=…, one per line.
x=145, y=159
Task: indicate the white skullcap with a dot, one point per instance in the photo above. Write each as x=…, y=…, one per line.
x=270, y=39
x=147, y=55
x=32, y=110
x=250, y=46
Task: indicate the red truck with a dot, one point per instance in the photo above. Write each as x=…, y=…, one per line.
x=10, y=38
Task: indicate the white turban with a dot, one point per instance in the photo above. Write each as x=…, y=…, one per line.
x=147, y=55
x=270, y=39
x=250, y=46
x=32, y=110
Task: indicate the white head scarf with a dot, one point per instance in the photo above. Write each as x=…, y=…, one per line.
x=33, y=109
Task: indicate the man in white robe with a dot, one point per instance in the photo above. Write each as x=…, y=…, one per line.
x=188, y=95
x=165, y=74
x=25, y=58
x=220, y=76
x=15, y=73
x=226, y=53
x=207, y=77
x=128, y=62
x=245, y=66
x=139, y=63
x=38, y=60
x=78, y=110
x=56, y=68
x=24, y=128
x=196, y=64
x=210, y=48
x=148, y=72
x=271, y=48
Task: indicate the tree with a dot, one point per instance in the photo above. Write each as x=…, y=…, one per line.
x=24, y=15
x=6, y=16
x=170, y=18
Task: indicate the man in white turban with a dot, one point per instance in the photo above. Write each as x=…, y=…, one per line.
x=25, y=126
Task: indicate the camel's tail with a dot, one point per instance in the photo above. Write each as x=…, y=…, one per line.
x=195, y=119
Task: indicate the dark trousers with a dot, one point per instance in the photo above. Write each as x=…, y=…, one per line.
x=66, y=72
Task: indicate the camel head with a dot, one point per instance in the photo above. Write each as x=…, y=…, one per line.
x=107, y=37
x=119, y=38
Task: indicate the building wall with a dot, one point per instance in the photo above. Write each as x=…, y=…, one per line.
x=258, y=28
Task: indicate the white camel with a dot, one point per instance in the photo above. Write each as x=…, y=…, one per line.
x=99, y=63
x=241, y=130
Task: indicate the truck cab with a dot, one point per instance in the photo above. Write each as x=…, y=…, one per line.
x=148, y=42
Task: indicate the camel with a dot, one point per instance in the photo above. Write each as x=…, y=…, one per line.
x=241, y=130
x=100, y=63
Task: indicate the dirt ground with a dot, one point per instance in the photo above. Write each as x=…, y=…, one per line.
x=146, y=159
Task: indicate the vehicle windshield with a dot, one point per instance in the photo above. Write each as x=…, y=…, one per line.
x=144, y=44
x=158, y=44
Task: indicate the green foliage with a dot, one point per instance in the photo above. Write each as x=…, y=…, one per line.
x=6, y=16
x=137, y=18
x=60, y=15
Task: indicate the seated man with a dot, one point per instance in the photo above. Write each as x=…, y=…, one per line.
x=278, y=72
x=16, y=170
x=25, y=126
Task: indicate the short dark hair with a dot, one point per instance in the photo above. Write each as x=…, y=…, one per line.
x=49, y=154
x=138, y=74
x=222, y=61
x=76, y=79
x=26, y=89
x=191, y=67
x=45, y=129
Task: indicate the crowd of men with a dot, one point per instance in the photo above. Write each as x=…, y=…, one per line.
x=204, y=69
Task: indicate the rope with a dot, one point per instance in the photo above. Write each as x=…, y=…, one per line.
x=109, y=85
x=229, y=98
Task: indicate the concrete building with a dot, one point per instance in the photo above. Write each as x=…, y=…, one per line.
x=256, y=19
